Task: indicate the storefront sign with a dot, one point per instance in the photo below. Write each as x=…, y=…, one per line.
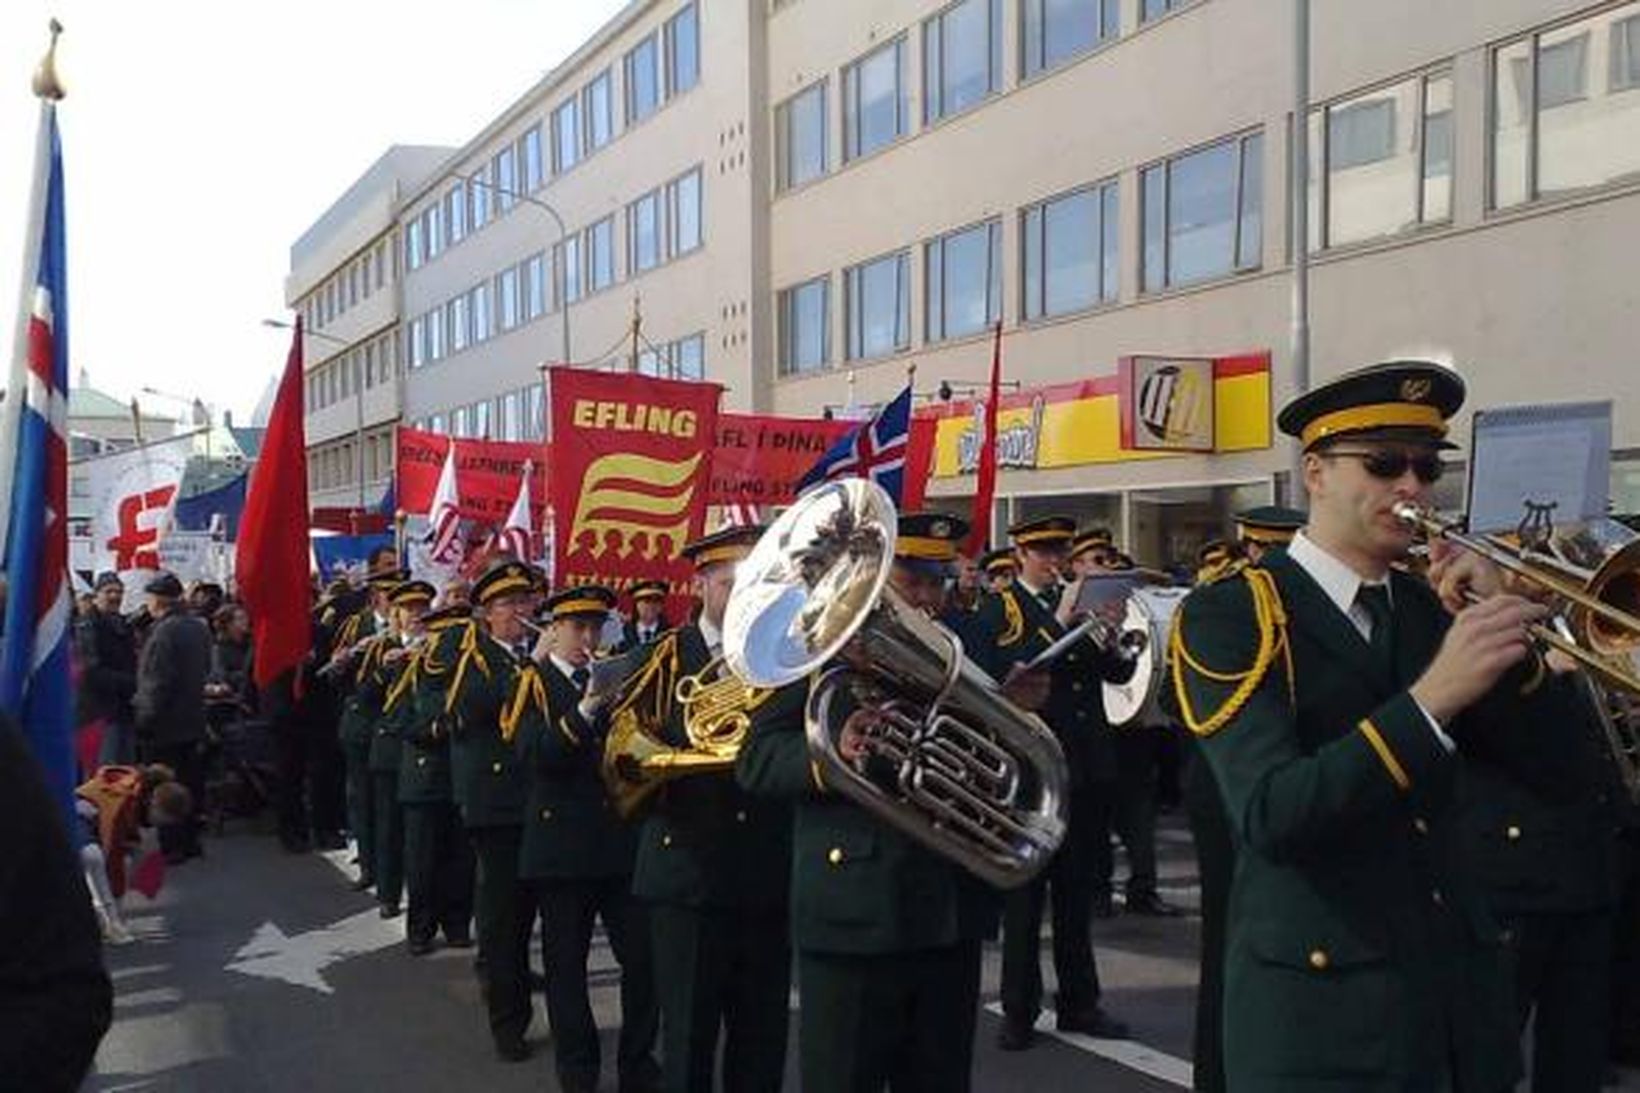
x=1167, y=403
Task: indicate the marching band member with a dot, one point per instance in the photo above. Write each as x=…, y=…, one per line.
x=1336, y=702
x=1021, y=621
x=488, y=787
x=714, y=867
x=648, y=621
x=408, y=602
x=1262, y=529
x=1091, y=552
x=350, y=665
x=888, y=934
x=577, y=854
x=999, y=567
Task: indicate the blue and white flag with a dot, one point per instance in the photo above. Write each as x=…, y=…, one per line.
x=34, y=672
x=876, y=449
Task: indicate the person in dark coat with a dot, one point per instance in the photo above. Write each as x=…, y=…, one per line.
x=648, y=621
x=170, y=702
x=56, y=1000
x=108, y=665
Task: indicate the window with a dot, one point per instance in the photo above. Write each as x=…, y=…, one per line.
x=567, y=257
x=436, y=345
x=962, y=57
x=455, y=212
x=381, y=264
x=643, y=230
x=510, y=418
x=874, y=100
x=683, y=214
x=535, y=412
x=529, y=160
x=601, y=254
x=1068, y=252
x=535, y=287
x=481, y=419
x=482, y=195
x=461, y=324
x=877, y=306
x=1155, y=9
x=483, y=315
x=1054, y=31
x=433, y=230
x=418, y=343
x=1381, y=162
x=682, y=51
x=506, y=179
x=800, y=137
x=805, y=336
x=1556, y=126
x=596, y=105
x=641, y=67
x=689, y=358
x=1203, y=213
x=370, y=365
x=412, y=249
x=506, y=291
x=963, y=272
x=347, y=376
x=352, y=285
x=566, y=136
x=458, y=422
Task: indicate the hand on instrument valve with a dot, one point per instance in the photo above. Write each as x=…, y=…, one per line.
x=1459, y=576
x=1485, y=640
x=854, y=747
x=1027, y=688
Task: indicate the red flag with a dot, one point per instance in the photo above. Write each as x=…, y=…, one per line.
x=979, y=531
x=149, y=875
x=271, y=561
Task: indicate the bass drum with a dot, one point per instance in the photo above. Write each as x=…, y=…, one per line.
x=1137, y=702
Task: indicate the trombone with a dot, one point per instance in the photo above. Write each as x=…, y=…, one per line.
x=1603, y=632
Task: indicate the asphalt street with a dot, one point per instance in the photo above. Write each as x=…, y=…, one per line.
x=258, y=971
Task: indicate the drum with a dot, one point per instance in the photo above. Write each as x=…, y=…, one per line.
x=1138, y=701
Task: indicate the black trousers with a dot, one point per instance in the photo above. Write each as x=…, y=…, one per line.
x=1562, y=985
x=506, y=916
x=1625, y=982
x=310, y=790
x=1216, y=865
x=570, y=907
x=188, y=761
x=389, y=834
x=361, y=806
x=900, y=1021
x=438, y=872
x=1068, y=881
x=722, y=970
x=1137, y=751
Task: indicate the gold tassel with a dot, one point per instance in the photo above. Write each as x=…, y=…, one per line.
x=1271, y=618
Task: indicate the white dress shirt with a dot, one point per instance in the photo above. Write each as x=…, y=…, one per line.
x=1341, y=584
x=712, y=636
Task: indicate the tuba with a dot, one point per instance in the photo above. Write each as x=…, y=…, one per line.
x=947, y=759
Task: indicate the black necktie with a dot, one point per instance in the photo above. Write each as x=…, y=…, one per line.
x=1374, y=599
x=1050, y=598
x=579, y=677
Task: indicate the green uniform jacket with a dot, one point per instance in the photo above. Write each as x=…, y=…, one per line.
x=424, y=761
x=706, y=842
x=357, y=719
x=571, y=830
x=1013, y=626
x=1360, y=954
x=858, y=885
x=385, y=736
x=485, y=774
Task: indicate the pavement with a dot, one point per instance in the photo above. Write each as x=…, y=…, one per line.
x=256, y=970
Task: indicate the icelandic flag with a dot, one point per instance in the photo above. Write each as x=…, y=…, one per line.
x=875, y=449
x=34, y=667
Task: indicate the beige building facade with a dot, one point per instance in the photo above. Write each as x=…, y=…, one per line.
x=802, y=199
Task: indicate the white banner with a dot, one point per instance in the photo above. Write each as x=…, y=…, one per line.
x=132, y=495
x=195, y=556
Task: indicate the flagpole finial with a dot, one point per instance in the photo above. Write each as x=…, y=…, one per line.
x=46, y=83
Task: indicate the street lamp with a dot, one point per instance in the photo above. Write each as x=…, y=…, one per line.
x=563, y=237
x=358, y=398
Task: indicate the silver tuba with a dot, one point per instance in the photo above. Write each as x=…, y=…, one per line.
x=947, y=759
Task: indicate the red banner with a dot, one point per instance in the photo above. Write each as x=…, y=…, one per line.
x=487, y=474
x=631, y=460
x=758, y=458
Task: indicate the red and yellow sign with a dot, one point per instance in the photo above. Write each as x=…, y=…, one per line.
x=487, y=474
x=631, y=458
x=759, y=458
x=1080, y=423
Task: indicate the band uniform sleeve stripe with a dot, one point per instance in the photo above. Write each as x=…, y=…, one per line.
x=1397, y=773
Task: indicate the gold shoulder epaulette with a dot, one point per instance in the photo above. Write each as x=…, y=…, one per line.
x=1270, y=616
x=1218, y=571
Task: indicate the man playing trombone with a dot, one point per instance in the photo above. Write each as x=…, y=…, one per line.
x=1336, y=701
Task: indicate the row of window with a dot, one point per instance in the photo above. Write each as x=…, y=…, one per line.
x=516, y=415
x=661, y=225
x=665, y=64
x=333, y=466
x=344, y=289
x=359, y=369
x=683, y=359
x=962, y=65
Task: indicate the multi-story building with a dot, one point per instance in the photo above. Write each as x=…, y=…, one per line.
x=344, y=282
x=804, y=198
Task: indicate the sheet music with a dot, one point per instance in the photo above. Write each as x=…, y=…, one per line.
x=1547, y=455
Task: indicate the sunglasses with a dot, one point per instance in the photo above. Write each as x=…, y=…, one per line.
x=1390, y=465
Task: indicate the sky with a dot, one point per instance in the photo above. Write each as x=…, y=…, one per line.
x=200, y=139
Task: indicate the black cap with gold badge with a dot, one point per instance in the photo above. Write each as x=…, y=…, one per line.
x=927, y=541
x=1397, y=400
x=581, y=599
x=1269, y=525
x=998, y=561
x=412, y=593
x=506, y=579
x=649, y=590
x=729, y=544
x=1044, y=531
x=1092, y=539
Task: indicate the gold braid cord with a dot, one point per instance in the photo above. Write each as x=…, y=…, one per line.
x=530, y=690
x=470, y=654
x=1015, y=618
x=651, y=693
x=1271, y=618
x=404, y=684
